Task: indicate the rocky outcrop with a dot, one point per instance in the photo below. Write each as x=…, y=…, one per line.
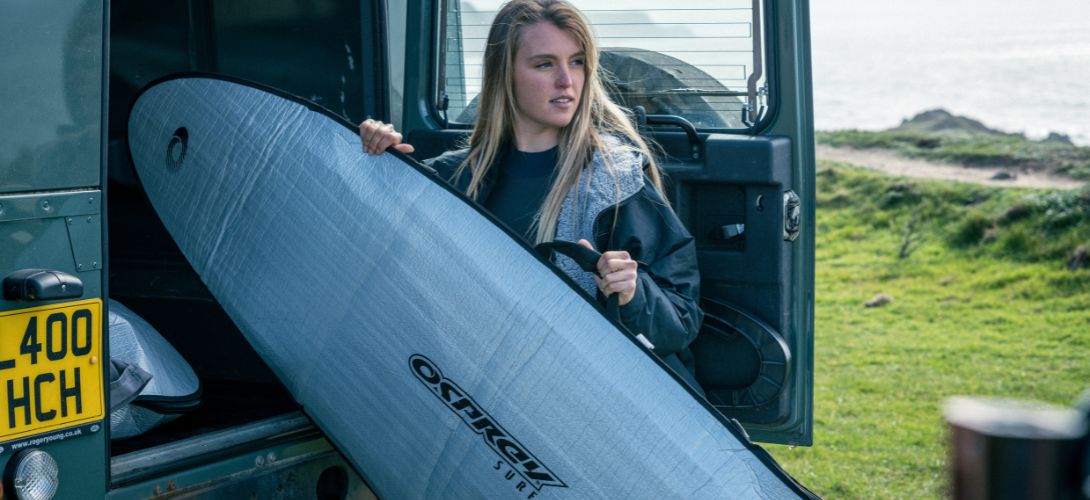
x=940, y=120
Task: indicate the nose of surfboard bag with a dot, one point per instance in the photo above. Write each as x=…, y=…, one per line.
x=433, y=371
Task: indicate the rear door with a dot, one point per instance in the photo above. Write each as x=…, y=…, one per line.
x=52, y=369
x=724, y=89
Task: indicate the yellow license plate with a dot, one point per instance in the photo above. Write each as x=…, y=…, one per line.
x=50, y=368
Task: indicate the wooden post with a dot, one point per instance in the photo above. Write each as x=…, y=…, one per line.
x=1006, y=449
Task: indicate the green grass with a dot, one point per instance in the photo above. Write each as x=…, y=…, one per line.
x=985, y=305
x=970, y=149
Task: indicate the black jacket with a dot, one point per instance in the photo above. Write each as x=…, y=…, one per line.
x=665, y=307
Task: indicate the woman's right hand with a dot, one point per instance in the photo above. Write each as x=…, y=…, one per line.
x=376, y=136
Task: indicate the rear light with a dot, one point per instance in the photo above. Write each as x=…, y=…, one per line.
x=33, y=475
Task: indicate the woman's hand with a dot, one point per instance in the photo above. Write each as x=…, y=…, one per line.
x=616, y=274
x=377, y=136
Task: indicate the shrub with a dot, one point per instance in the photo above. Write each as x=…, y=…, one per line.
x=1079, y=258
x=1014, y=213
x=971, y=230
x=1016, y=243
x=900, y=194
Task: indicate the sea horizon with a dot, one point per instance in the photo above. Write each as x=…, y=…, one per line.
x=1023, y=68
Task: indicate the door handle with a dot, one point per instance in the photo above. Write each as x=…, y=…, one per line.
x=41, y=284
x=683, y=124
x=727, y=232
x=643, y=120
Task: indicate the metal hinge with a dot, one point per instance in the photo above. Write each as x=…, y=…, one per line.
x=792, y=215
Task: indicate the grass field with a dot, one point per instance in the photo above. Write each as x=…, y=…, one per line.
x=992, y=299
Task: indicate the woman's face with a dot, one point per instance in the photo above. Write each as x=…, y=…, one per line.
x=549, y=74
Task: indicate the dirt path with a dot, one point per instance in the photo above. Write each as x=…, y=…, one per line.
x=886, y=161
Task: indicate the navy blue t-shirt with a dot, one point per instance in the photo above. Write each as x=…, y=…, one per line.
x=522, y=183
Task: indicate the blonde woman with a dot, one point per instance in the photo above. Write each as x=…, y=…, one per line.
x=555, y=159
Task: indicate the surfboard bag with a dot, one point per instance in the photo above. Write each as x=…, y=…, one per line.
x=441, y=355
x=150, y=383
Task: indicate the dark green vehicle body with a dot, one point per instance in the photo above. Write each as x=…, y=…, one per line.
x=70, y=203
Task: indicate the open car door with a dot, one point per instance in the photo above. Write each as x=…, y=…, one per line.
x=725, y=91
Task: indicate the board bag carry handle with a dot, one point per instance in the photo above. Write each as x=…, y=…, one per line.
x=587, y=260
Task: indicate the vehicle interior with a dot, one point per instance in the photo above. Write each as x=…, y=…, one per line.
x=731, y=172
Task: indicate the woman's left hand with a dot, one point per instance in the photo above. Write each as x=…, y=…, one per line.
x=616, y=274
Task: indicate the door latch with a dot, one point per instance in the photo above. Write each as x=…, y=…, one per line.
x=792, y=215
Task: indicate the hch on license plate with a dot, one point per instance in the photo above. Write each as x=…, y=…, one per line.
x=50, y=368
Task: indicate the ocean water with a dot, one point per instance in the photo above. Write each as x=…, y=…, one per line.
x=1018, y=66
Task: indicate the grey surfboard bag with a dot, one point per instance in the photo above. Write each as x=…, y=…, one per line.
x=442, y=356
x=150, y=382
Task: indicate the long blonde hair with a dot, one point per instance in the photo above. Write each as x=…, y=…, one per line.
x=596, y=116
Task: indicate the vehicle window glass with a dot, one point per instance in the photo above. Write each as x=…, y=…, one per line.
x=51, y=82
x=697, y=59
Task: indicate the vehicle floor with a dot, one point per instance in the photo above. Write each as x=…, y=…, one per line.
x=225, y=404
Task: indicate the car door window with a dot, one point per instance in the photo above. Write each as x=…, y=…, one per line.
x=696, y=59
